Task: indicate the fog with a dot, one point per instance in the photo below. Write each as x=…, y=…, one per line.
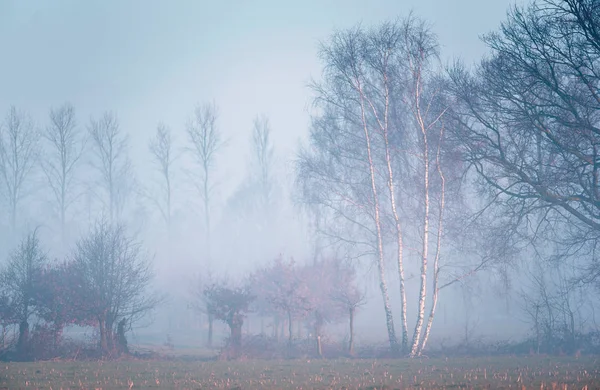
x=152, y=62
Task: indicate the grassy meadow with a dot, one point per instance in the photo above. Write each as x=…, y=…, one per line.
x=460, y=373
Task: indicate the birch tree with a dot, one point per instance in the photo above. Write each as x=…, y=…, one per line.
x=377, y=158
x=205, y=141
x=18, y=152
x=64, y=148
x=111, y=160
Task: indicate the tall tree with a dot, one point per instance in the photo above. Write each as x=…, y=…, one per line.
x=18, y=152
x=111, y=160
x=163, y=157
x=376, y=162
x=64, y=149
x=262, y=161
x=205, y=141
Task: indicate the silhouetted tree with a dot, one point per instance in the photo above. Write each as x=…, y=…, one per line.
x=205, y=142
x=116, y=280
x=230, y=305
x=527, y=123
x=64, y=148
x=18, y=153
x=111, y=160
x=18, y=279
x=163, y=157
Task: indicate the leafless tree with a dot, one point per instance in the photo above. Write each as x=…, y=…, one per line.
x=262, y=150
x=65, y=145
x=205, y=142
x=18, y=279
x=116, y=280
x=528, y=124
x=18, y=152
x=110, y=149
x=163, y=156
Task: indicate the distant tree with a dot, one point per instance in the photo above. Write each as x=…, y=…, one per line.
x=18, y=279
x=111, y=160
x=201, y=304
x=347, y=295
x=64, y=148
x=163, y=157
x=205, y=142
x=18, y=153
x=230, y=305
x=115, y=280
x=320, y=280
x=262, y=162
x=281, y=291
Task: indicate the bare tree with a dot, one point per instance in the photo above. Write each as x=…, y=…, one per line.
x=18, y=279
x=378, y=164
x=528, y=124
x=18, y=147
x=163, y=156
x=65, y=146
x=110, y=148
x=205, y=141
x=262, y=150
x=116, y=280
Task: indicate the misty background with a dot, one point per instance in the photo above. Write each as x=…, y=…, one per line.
x=152, y=61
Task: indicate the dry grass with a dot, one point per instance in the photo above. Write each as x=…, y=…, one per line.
x=466, y=373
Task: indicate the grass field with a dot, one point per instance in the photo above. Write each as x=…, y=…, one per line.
x=496, y=372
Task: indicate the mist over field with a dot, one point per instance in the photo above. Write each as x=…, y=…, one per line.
x=409, y=176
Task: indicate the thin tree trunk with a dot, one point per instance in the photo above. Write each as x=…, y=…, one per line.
x=380, y=258
x=425, y=250
x=210, y=330
x=384, y=127
x=351, y=342
x=290, y=328
x=436, y=261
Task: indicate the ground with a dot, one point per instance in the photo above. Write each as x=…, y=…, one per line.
x=493, y=372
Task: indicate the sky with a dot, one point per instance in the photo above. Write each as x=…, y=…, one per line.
x=151, y=61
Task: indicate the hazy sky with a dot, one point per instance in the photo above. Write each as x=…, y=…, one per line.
x=152, y=61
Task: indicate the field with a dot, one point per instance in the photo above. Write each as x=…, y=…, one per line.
x=496, y=372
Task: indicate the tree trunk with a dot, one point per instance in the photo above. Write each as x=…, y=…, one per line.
x=318, y=329
x=209, y=341
x=380, y=255
x=351, y=341
x=121, y=339
x=436, y=261
x=291, y=335
x=425, y=248
x=23, y=338
x=235, y=326
x=103, y=335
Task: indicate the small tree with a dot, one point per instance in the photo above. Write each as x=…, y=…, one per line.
x=230, y=305
x=116, y=278
x=19, y=282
